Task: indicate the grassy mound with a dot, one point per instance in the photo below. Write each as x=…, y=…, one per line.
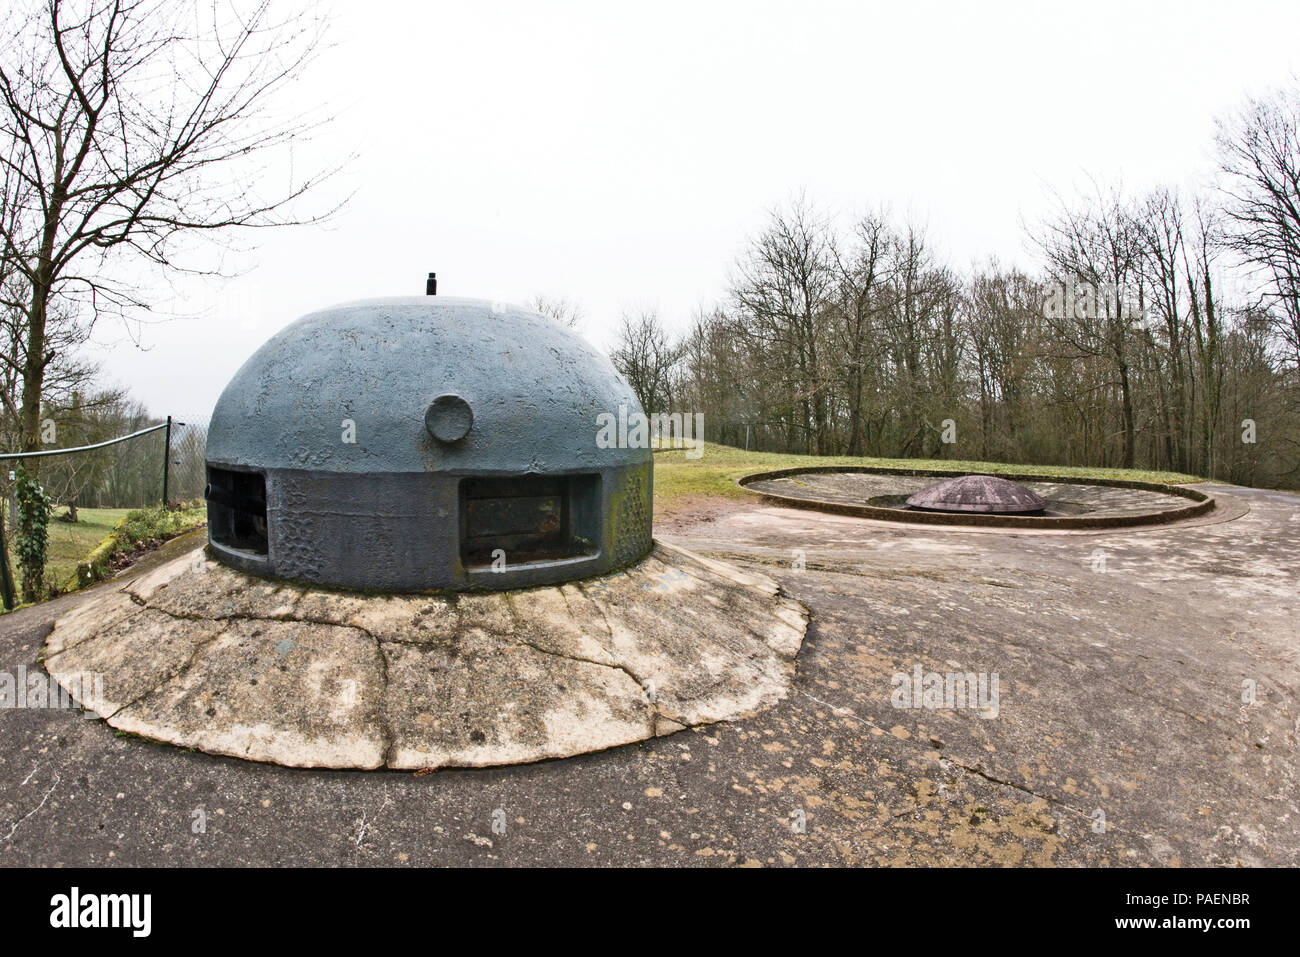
x=679, y=481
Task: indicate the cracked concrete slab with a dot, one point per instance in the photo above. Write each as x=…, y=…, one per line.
x=199, y=655
x=135, y=655
x=88, y=620
x=304, y=695
x=1122, y=692
x=504, y=704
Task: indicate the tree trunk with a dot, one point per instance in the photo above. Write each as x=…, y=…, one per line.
x=34, y=372
x=1126, y=399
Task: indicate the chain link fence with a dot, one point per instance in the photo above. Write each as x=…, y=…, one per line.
x=127, y=474
x=94, y=472
x=189, y=442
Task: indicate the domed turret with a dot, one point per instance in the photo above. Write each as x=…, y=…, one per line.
x=422, y=443
x=978, y=493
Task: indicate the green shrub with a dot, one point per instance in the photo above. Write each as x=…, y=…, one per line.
x=136, y=528
x=156, y=521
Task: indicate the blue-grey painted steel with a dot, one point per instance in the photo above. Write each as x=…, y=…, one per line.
x=449, y=418
x=331, y=412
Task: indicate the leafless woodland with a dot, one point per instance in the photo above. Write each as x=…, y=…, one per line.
x=844, y=336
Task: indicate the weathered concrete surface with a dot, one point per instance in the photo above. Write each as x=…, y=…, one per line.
x=1098, y=506
x=1121, y=688
x=200, y=655
x=1149, y=727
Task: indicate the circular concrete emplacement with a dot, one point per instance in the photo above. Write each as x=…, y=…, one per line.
x=893, y=495
x=206, y=657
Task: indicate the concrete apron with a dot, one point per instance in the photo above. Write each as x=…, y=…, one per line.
x=203, y=656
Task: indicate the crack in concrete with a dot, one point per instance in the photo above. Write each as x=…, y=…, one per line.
x=388, y=737
x=653, y=703
x=365, y=824
x=978, y=771
x=652, y=708
x=14, y=827
x=975, y=769
x=244, y=616
x=200, y=646
x=189, y=663
x=588, y=661
x=45, y=647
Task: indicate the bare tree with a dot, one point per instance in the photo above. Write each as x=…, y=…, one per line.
x=646, y=356
x=1098, y=244
x=1164, y=262
x=1259, y=150
x=1206, y=312
x=918, y=323
x=715, y=373
x=1004, y=314
x=564, y=311
x=781, y=292
x=859, y=305
x=126, y=125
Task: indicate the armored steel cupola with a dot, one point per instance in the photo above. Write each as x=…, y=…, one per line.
x=422, y=443
x=978, y=493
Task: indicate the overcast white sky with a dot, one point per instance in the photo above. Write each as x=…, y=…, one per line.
x=620, y=154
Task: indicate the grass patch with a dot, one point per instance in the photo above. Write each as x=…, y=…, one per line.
x=679, y=480
x=136, y=529
x=70, y=543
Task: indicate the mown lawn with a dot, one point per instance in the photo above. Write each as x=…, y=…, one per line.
x=680, y=481
x=70, y=544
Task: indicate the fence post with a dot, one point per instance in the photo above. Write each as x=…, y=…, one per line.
x=167, y=459
x=6, y=582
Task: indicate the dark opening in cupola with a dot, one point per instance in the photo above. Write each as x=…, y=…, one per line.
x=528, y=519
x=237, y=509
